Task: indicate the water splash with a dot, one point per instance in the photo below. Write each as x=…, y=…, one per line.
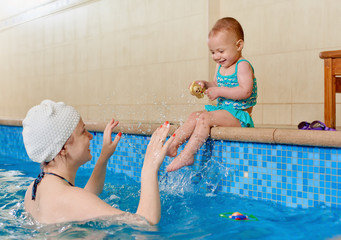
x=205, y=180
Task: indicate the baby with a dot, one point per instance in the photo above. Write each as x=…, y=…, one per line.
x=234, y=87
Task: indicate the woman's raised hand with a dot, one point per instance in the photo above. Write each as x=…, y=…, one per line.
x=157, y=147
x=109, y=146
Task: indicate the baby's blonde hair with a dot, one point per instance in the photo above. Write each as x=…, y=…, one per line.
x=228, y=24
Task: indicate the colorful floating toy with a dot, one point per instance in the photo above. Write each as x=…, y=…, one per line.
x=197, y=90
x=237, y=216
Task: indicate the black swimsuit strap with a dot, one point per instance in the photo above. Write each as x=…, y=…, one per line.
x=60, y=178
x=40, y=177
x=35, y=185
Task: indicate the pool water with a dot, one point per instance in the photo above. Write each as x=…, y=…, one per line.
x=190, y=210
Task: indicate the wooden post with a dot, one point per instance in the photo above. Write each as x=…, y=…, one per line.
x=332, y=84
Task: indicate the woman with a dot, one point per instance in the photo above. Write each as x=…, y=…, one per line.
x=55, y=136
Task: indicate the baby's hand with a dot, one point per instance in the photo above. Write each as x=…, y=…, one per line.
x=109, y=146
x=212, y=93
x=157, y=148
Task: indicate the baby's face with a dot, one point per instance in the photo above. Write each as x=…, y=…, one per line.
x=224, y=47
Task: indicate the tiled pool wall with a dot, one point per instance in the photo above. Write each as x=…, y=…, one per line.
x=295, y=176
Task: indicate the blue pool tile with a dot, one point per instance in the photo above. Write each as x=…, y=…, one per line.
x=296, y=176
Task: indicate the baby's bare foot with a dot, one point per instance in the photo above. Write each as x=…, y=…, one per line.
x=172, y=151
x=180, y=162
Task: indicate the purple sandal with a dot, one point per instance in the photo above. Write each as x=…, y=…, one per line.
x=315, y=125
x=304, y=126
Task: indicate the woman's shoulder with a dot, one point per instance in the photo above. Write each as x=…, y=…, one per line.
x=63, y=203
x=79, y=204
x=28, y=197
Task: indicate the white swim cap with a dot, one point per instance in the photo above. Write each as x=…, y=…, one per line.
x=46, y=128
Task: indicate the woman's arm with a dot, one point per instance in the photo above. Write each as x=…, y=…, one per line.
x=96, y=181
x=78, y=204
x=149, y=205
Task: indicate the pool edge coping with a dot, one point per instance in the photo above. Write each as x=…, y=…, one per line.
x=260, y=135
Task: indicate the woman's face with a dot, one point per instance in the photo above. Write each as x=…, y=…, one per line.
x=78, y=145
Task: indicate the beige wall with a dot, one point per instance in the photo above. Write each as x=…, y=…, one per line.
x=131, y=60
x=134, y=59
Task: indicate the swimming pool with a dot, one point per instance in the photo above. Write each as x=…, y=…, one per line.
x=190, y=210
x=294, y=176
x=286, y=178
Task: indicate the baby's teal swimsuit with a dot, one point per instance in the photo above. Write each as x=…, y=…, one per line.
x=235, y=107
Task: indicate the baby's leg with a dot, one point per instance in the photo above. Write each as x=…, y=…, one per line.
x=183, y=133
x=200, y=134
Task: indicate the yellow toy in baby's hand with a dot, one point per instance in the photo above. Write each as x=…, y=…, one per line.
x=197, y=90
